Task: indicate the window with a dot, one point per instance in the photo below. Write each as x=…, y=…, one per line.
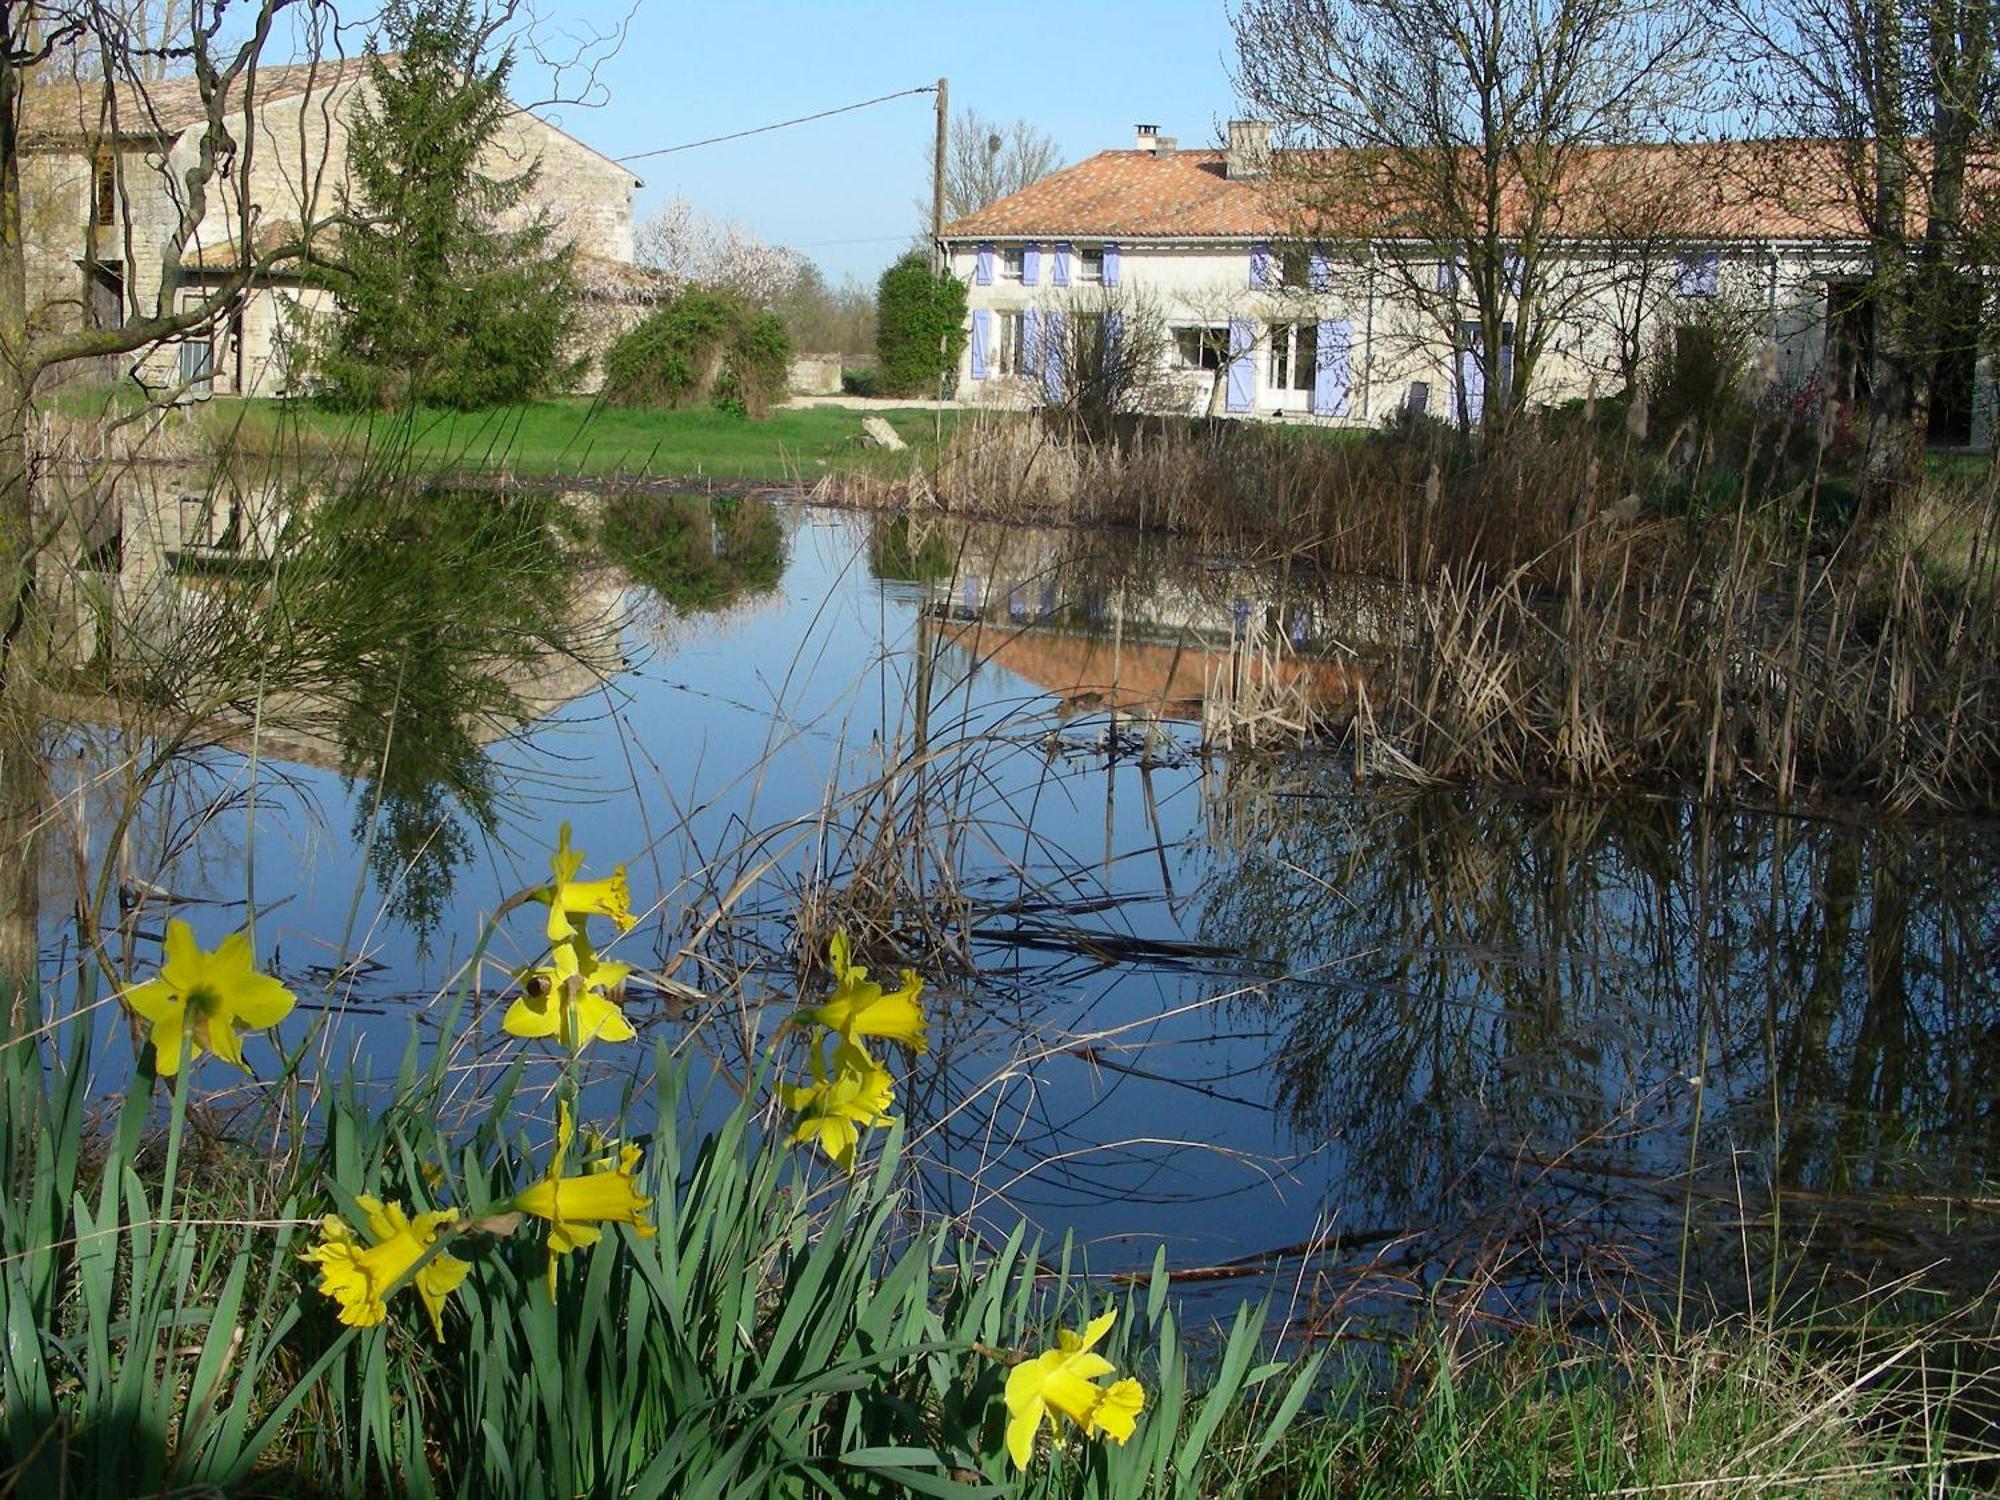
x=1294, y=356
x=1698, y=274
x=1294, y=267
x=1202, y=348
x=1090, y=263
x=104, y=181
x=1010, y=263
x=1010, y=344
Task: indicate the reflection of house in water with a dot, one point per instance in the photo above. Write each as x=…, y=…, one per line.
x=163, y=564
x=1229, y=648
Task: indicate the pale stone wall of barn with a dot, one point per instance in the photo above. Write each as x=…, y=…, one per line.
x=298, y=159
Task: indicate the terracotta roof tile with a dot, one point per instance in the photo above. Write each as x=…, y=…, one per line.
x=1738, y=190
x=165, y=106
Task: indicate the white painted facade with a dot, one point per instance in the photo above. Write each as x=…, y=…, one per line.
x=1397, y=350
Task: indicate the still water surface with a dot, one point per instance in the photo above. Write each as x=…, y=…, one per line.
x=1185, y=993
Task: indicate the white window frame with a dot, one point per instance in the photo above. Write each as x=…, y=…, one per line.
x=1281, y=367
x=1090, y=263
x=1009, y=342
x=1013, y=262
x=1211, y=336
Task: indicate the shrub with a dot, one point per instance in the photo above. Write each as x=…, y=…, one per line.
x=919, y=326
x=1697, y=371
x=703, y=346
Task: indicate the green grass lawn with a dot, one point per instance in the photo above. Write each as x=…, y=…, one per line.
x=577, y=437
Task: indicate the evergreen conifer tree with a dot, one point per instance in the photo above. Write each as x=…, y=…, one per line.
x=446, y=291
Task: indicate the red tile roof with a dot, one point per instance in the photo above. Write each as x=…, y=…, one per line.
x=164, y=106
x=1738, y=190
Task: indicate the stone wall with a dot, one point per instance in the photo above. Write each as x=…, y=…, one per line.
x=297, y=156
x=815, y=375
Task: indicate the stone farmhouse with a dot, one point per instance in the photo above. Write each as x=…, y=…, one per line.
x=101, y=185
x=1351, y=325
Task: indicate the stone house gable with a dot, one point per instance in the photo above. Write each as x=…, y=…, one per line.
x=101, y=193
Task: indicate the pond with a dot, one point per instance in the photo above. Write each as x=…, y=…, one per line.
x=1193, y=985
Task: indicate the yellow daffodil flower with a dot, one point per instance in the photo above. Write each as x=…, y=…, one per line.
x=1063, y=1380
x=203, y=1002
x=833, y=1111
x=858, y=1007
x=359, y=1273
x=575, y=1206
x=571, y=998
x=569, y=897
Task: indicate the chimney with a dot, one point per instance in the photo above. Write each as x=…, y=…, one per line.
x=1249, y=153
x=1164, y=145
x=1147, y=137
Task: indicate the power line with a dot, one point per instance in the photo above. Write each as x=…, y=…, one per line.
x=737, y=135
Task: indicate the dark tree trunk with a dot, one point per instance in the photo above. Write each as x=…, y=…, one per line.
x=20, y=717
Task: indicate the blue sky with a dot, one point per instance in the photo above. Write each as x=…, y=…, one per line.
x=842, y=190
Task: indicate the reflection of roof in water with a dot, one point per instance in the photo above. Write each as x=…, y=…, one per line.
x=1085, y=673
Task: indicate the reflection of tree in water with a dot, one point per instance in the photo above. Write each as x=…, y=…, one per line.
x=1469, y=977
x=430, y=607
x=692, y=553
x=906, y=549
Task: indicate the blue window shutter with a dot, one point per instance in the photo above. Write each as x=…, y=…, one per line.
x=1242, y=368
x=1110, y=264
x=1031, y=343
x=1260, y=265
x=1447, y=276
x=982, y=322
x=1319, y=272
x=1114, y=330
x=1053, y=327
x=982, y=274
x=1060, y=275
x=1471, y=384
x=1514, y=268
x=1330, y=373
x=1031, y=265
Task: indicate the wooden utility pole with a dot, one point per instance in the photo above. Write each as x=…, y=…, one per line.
x=937, y=174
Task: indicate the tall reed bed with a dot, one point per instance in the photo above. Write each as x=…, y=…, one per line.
x=1747, y=664
x=1582, y=612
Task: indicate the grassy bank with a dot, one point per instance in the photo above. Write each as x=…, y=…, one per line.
x=563, y=439
x=578, y=438
x=760, y=1326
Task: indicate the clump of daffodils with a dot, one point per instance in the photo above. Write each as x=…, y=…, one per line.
x=361, y=1269
x=1063, y=1381
x=575, y=1206
x=856, y=1093
x=575, y=996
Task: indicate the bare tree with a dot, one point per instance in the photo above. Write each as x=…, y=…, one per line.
x=133, y=197
x=985, y=161
x=1467, y=135
x=1105, y=354
x=209, y=171
x=1904, y=95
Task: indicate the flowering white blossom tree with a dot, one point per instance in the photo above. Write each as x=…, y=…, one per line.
x=689, y=246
